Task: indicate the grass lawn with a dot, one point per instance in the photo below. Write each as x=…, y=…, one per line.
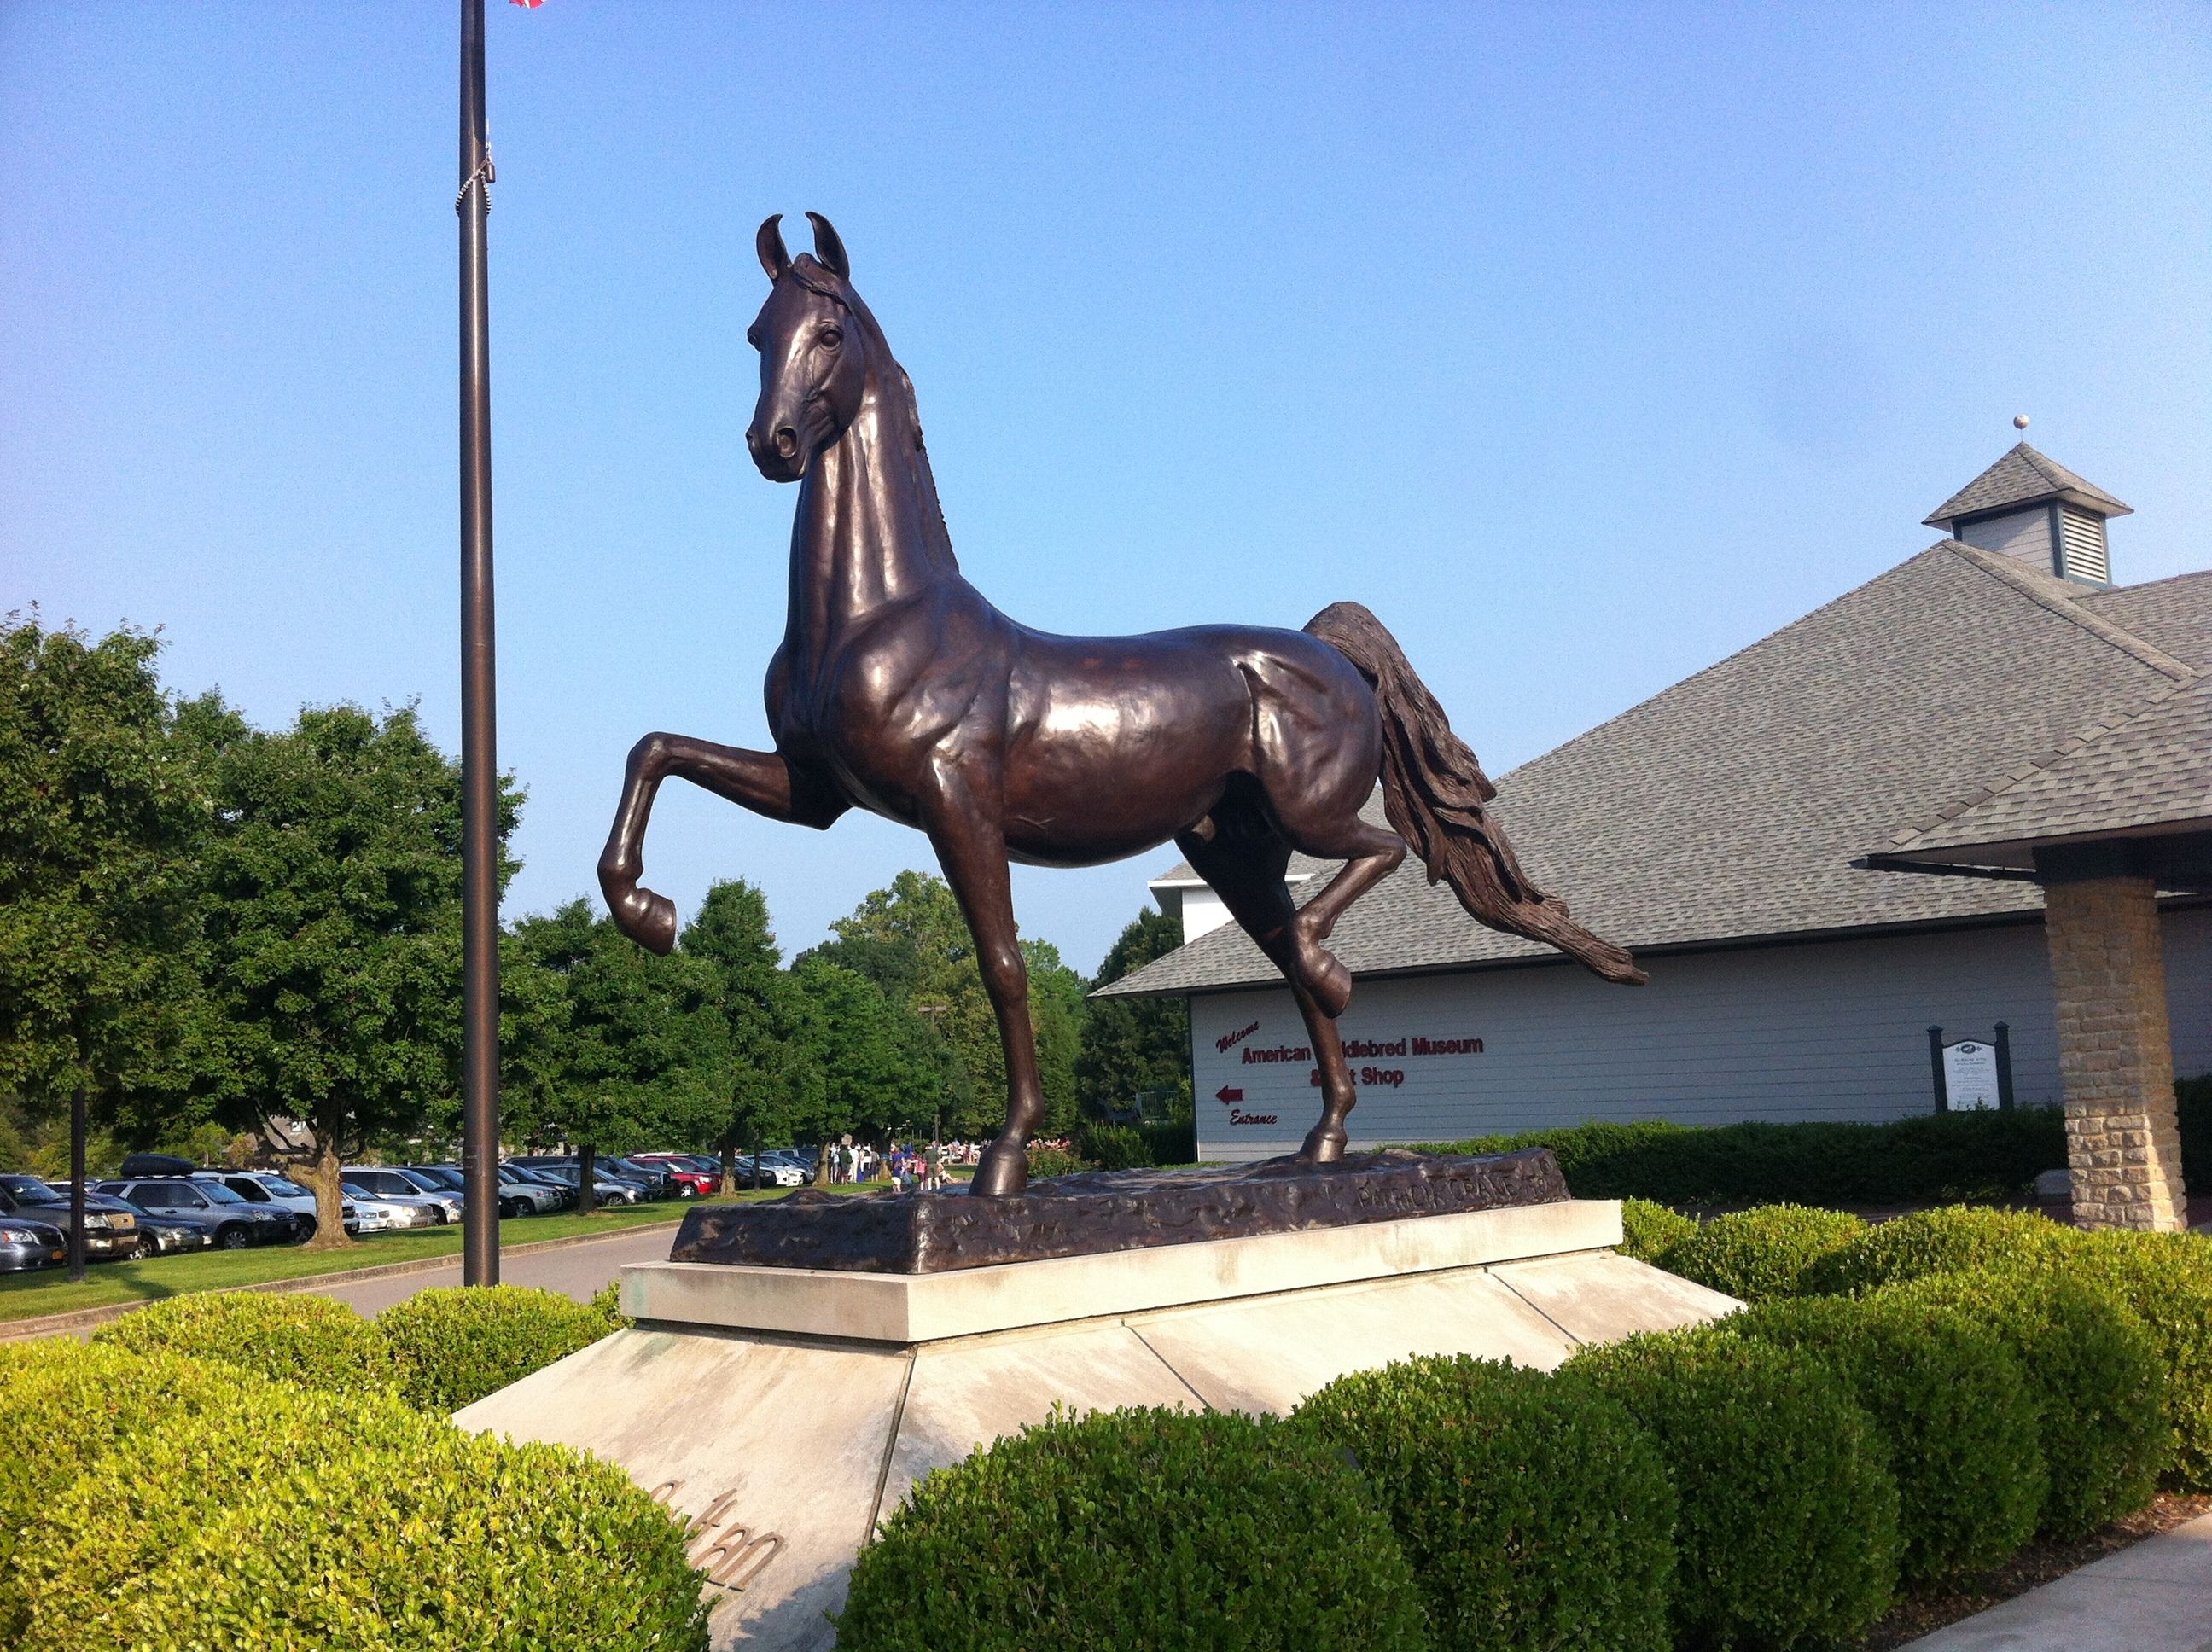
x=49, y=1290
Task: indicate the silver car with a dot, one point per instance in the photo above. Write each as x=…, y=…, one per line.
x=393, y=1188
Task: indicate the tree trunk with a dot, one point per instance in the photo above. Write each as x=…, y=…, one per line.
x=729, y=1151
x=757, y=1158
x=586, y=1203
x=822, y=1165
x=329, y=1196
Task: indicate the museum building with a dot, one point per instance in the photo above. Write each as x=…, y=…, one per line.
x=1889, y=859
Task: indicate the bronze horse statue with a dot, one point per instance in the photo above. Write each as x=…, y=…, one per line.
x=899, y=688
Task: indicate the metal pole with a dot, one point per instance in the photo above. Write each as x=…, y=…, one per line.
x=479, y=719
x=77, y=1127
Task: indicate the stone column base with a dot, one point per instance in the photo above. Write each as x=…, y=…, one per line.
x=2115, y=1053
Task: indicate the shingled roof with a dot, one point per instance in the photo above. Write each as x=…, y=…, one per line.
x=1731, y=806
x=2023, y=476
x=2151, y=769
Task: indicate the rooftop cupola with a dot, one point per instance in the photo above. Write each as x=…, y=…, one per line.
x=2029, y=506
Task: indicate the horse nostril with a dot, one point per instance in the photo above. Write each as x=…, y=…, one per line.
x=786, y=442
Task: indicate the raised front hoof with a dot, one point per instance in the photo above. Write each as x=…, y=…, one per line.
x=647, y=918
x=1323, y=1145
x=1003, y=1169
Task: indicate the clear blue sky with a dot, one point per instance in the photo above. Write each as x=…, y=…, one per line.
x=1583, y=345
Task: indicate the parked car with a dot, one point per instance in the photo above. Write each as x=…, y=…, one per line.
x=167, y=1233
x=393, y=1188
x=26, y=1244
x=231, y=1223
x=695, y=1179
x=606, y=1168
x=454, y=1180
x=267, y=1187
x=659, y=1180
x=110, y=1226
x=604, y=1191
x=451, y=1200
x=522, y=1176
x=774, y=1172
x=377, y=1214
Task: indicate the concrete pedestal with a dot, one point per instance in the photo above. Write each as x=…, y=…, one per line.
x=784, y=1411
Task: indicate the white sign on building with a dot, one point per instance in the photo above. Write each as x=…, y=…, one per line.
x=1970, y=1075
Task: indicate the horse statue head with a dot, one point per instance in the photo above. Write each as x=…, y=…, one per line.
x=819, y=350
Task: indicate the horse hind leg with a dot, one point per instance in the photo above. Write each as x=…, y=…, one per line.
x=1371, y=853
x=1245, y=869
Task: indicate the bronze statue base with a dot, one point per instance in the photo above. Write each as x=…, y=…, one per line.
x=1103, y=1211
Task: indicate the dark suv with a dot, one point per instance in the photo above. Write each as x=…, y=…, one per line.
x=229, y=1220
x=111, y=1227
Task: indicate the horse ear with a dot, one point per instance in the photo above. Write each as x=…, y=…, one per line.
x=768, y=241
x=830, y=249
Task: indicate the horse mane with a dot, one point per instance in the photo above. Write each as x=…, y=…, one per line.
x=819, y=279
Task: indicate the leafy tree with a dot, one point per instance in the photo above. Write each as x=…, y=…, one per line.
x=331, y=924
x=761, y=1088
x=912, y=941
x=616, y=1048
x=99, y=805
x=1135, y=1044
x=870, y=1065
x=1057, y=1013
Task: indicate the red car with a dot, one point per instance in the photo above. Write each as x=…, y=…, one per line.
x=693, y=1180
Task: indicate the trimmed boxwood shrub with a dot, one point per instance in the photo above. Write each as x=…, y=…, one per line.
x=345, y=1520
x=1649, y=1232
x=2166, y=1278
x=1989, y=1154
x=1138, y=1528
x=1759, y=1254
x=1053, y=1162
x=2094, y=1373
x=310, y=1340
x=1947, y=1240
x=454, y=1346
x=1788, y=1524
x=66, y=1407
x=1536, y=1516
x=1954, y=1411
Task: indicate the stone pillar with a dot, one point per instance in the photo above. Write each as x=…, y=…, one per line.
x=2115, y=1052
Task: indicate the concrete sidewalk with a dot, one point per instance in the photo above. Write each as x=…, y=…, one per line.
x=2154, y=1597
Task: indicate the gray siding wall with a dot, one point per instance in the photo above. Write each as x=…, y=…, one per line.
x=1828, y=1030
x=2025, y=534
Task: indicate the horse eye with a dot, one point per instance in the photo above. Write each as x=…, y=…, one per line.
x=831, y=339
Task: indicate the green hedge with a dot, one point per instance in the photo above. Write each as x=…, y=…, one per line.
x=1932, y=1158
x=1761, y=1253
x=1955, y=1414
x=1649, y=1232
x=2166, y=1278
x=68, y=1406
x=1534, y=1515
x=454, y=1346
x=1927, y=1243
x=1787, y=1531
x=1137, y=1146
x=312, y=1341
x=2095, y=1375
x=347, y=1521
x=1138, y=1528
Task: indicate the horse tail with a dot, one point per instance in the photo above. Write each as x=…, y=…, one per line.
x=1433, y=791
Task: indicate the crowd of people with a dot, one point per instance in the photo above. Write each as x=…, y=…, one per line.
x=909, y=1166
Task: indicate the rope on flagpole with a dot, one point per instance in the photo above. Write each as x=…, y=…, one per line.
x=485, y=173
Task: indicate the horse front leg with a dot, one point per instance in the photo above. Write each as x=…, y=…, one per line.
x=971, y=846
x=764, y=781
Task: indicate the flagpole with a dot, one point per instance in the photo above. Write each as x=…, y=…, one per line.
x=479, y=720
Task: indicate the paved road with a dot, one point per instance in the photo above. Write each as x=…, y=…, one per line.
x=574, y=1270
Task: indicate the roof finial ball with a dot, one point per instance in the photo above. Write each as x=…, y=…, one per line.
x=2020, y=420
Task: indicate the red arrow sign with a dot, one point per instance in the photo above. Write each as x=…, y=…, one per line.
x=1225, y=1094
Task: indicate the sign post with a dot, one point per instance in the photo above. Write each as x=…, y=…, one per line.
x=479, y=719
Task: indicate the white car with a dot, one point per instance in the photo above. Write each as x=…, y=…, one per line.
x=267, y=1187
x=540, y=1197
x=398, y=1187
x=378, y=1215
